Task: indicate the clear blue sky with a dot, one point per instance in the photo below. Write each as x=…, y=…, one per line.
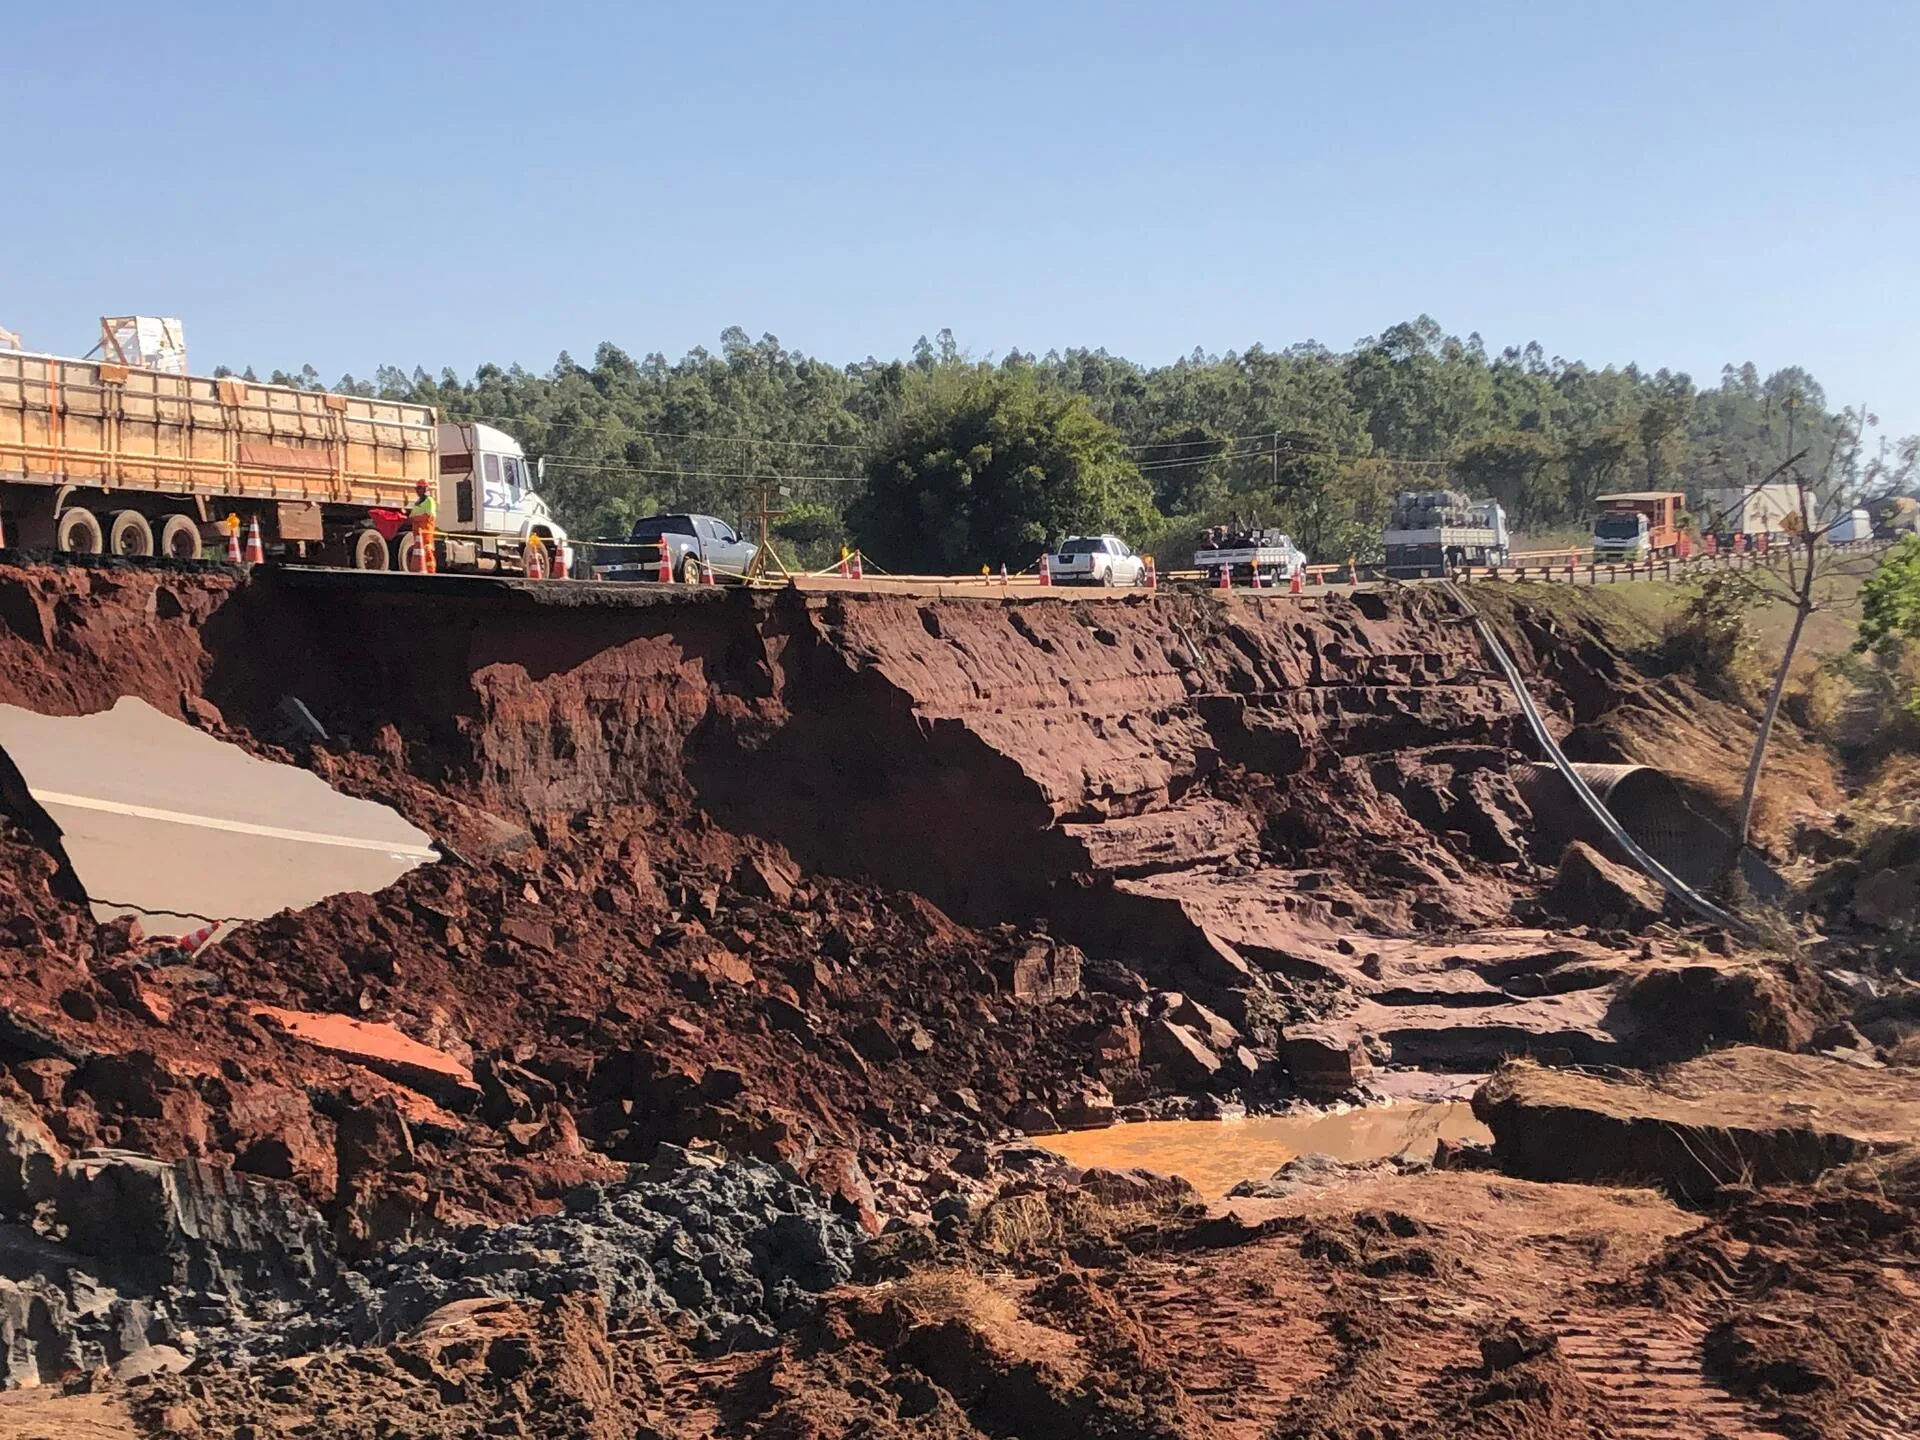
x=352, y=183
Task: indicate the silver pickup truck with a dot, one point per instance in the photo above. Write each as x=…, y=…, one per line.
x=687, y=540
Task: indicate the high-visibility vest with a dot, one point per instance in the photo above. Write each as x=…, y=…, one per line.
x=425, y=508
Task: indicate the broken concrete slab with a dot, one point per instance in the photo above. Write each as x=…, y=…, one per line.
x=1740, y=1116
x=160, y=819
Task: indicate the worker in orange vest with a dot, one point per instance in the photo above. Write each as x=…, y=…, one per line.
x=421, y=517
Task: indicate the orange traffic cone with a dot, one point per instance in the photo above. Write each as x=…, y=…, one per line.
x=1255, y=582
x=559, y=562
x=1226, y=578
x=196, y=940
x=857, y=572
x=665, y=577
x=1046, y=574
x=1293, y=585
x=233, y=539
x=256, y=552
x=1153, y=578
x=1003, y=572
x=706, y=572
x=845, y=574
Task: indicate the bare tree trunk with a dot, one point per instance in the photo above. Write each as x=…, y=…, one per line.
x=1759, y=759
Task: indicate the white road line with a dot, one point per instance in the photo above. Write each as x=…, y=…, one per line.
x=237, y=827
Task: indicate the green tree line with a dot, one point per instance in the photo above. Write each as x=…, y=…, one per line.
x=944, y=461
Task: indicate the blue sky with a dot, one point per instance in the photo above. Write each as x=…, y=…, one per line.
x=349, y=184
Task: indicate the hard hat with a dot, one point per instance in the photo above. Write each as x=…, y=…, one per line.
x=420, y=484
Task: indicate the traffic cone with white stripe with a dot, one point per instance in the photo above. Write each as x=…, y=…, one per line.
x=233, y=540
x=1225, y=582
x=1293, y=585
x=706, y=572
x=1255, y=582
x=195, y=941
x=856, y=570
x=1003, y=572
x=845, y=573
x=1046, y=572
x=559, y=562
x=665, y=577
x=256, y=552
x=1153, y=577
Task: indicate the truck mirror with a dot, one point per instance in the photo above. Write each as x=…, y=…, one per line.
x=540, y=470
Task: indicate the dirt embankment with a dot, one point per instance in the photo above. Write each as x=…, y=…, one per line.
x=862, y=885
x=1254, y=810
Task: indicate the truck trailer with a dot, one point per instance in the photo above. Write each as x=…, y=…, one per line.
x=106, y=457
x=1750, y=510
x=1431, y=532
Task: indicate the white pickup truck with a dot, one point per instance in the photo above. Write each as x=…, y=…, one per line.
x=1097, y=560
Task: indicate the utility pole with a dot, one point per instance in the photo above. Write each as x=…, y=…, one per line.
x=763, y=513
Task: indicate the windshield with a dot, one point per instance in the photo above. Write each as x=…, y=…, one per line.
x=1619, y=525
x=1084, y=547
x=660, y=525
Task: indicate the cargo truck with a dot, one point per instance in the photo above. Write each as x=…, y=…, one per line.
x=1270, y=556
x=1636, y=525
x=108, y=456
x=1430, y=532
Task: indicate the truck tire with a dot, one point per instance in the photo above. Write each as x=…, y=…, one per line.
x=77, y=532
x=128, y=533
x=409, y=556
x=690, y=570
x=179, y=538
x=367, y=550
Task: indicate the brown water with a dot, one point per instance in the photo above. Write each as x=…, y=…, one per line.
x=1215, y=1155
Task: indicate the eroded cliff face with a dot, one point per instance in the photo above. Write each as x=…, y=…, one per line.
x=1274, y=771
x=990, y=756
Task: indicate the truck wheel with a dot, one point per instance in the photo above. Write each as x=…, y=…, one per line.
x=690, y=570
x=409, y=556
x=76, y=532
x=128, y=533
x=180, y=538
x=367, y=550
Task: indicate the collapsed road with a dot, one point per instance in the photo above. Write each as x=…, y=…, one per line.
x=687, y=1088
x=163, y=821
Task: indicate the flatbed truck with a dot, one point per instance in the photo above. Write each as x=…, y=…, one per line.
x=105, y=457
x=1431, y=532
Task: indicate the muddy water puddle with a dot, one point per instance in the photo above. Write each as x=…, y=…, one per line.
x=1215, y=1155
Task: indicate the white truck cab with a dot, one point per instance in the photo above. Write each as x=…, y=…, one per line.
x=486, y=493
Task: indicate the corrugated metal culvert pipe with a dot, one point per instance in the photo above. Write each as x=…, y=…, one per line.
x=1649, y=807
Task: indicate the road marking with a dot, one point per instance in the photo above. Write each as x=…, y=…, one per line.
x=237, y=827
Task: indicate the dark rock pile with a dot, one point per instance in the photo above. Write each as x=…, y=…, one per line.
x=723, y=1253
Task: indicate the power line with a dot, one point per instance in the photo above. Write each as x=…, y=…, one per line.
x=619, y=468
x=702, y=436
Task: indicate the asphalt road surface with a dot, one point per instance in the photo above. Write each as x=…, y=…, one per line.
x=180, y=828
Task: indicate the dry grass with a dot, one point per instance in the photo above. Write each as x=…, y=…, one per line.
x=955, y=1294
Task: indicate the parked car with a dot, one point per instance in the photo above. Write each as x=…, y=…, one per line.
x=688, y=540
x=1097, y=560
